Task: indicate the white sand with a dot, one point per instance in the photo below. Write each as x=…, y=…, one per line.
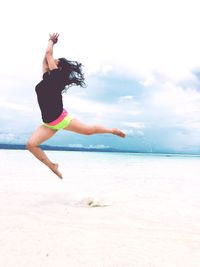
x=41, y=225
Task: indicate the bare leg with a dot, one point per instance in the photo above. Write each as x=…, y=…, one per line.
x=39, y=136
x=81, y=128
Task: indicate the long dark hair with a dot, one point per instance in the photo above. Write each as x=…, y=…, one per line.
x=71, y=72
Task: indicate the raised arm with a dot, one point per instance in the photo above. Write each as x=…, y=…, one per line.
x=48, y=61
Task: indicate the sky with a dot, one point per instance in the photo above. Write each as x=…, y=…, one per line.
x=141, y=62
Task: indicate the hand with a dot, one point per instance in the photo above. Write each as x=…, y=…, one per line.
x=54, y=37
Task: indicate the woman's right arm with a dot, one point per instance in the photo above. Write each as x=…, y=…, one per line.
x=49, y=61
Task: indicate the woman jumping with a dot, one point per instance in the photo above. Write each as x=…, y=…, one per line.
x=57, y=75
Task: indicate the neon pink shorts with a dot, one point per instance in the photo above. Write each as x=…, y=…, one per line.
x=61, y=122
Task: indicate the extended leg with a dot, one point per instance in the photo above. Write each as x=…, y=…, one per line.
x=39, y=136
x=81, y=128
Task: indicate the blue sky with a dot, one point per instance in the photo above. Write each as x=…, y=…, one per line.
x=141, y=61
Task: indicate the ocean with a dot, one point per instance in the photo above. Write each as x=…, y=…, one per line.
x=111, y=209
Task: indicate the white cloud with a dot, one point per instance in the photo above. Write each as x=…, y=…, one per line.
x=94, y=107
x=133, y=132
x=99, y=110
x=88, y=146
x=76, y=145
x=98, y=146
x=7, y=137
x=16, y=107
x=138, y=36
x=126, y=98
x=180, y=104
x=135, y=125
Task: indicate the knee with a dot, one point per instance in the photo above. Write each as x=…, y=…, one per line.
x=90, y=130
x=30, y=145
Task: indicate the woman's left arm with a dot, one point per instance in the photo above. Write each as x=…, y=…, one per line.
x=49, y=61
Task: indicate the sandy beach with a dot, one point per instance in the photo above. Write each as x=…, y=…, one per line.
x=141, y=222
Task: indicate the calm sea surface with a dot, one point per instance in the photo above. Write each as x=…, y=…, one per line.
x=119, y=177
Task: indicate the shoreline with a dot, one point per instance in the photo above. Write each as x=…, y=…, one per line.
x=103, y=150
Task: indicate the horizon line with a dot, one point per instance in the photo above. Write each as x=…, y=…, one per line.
x=87, y=149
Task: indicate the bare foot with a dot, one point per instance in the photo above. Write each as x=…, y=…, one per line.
x=54, y=168
x=118, y=133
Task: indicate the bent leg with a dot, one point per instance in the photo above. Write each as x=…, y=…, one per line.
x=40, y=135
x=81, y=128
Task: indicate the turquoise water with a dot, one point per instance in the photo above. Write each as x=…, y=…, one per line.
x=118, y=176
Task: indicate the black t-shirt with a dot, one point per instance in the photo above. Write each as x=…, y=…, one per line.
x=49, y=95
